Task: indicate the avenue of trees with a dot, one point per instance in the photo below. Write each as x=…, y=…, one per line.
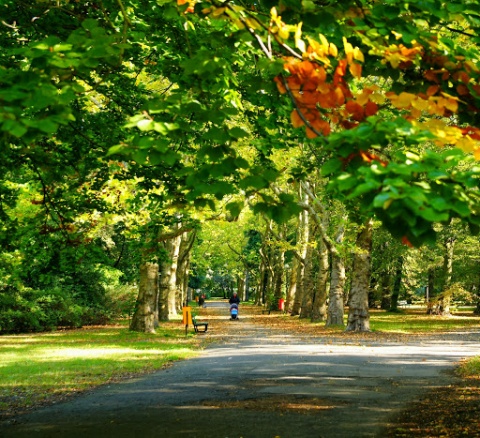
x=317, y=151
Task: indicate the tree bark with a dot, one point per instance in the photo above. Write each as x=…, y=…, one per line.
x=292, y=285
x=358, y=316
x=307, y=285
x=337, y=288
x=397, y=282
x=183, y=267
x=319, y=305
x=336, y=302
x=143, y=319
x=167, y=306
x=303, y=233
x=444, y=302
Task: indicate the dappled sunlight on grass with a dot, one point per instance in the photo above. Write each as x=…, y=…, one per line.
x=34, y=368
x=419, y=322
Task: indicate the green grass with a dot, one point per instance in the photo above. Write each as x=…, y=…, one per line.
x=470, y=368
x=417, y=321
x=35, y=368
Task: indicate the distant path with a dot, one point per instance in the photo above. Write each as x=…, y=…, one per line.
x=261, y=383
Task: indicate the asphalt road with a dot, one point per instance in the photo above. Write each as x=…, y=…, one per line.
x=261, y=383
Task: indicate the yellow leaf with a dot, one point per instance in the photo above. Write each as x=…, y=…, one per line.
x=403, y=100
x=332, y=50
x=358, y=55
x=348, y=50
x=284, y=33
x=420, y=104
x=218, y=11
x=468, y=145
x=299, y=43
x=397, y=35
x=355, y=70
x=452, y=105
x=476, y=154
x=323, y=41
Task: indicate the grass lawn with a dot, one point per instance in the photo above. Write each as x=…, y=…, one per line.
x=35, y=368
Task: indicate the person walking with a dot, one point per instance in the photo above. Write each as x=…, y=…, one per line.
x=234, y=299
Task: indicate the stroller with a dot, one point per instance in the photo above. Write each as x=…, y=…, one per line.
x=234, y=311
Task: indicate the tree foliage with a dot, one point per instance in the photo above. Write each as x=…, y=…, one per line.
x=121, y=119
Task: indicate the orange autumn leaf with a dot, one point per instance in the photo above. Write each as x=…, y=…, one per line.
x=355, y=110
x=369, y=157
x=355, y=70
x=462, y=90
x=431, y=76
x=310, y=98
x=340, y=70
x=371, y=108
x=320, y=126
x=281, y=87
x=432, y=90
x=296, y=119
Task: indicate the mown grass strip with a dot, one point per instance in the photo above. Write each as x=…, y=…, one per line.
x=40, y=367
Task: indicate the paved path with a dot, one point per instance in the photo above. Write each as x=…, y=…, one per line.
x=261, y=384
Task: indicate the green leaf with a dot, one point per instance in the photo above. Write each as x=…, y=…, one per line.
x=330, y=167
x=234, y=208
x=238, y=132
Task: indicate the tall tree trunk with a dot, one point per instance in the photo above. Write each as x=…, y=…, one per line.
x=183, y=267
x=279, y=272
x=261, y=285
x=397, y=283
x=319, y=305
x=444, y=302
x=308, y=285
x=385, y=284
x=337, y=289
x=168, y=280
x=143, y=319
x=430, y=292
x=358, y=316
x=292, y=285
x=242, y=286
x=336, y=303
x=303, y=233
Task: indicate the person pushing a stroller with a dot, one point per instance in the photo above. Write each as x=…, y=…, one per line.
x=234, y=302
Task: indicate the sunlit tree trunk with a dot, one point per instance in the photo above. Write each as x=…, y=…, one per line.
x=444, y=302
x=167, y=307
x=397, y=282
x=358, y=316
x=278, y=271
x=336, y=293
x=319, y=305
x=308, y=284
x=143, y=319
x=183, y=268
x=430, y=292
x=337, y=288
x=261, y=285
x=303, y=238
x=292, y=285
x=242, y=285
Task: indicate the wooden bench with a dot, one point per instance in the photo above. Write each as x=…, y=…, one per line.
x=197, y=324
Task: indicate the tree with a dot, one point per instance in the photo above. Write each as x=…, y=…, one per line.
x=382, y=99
